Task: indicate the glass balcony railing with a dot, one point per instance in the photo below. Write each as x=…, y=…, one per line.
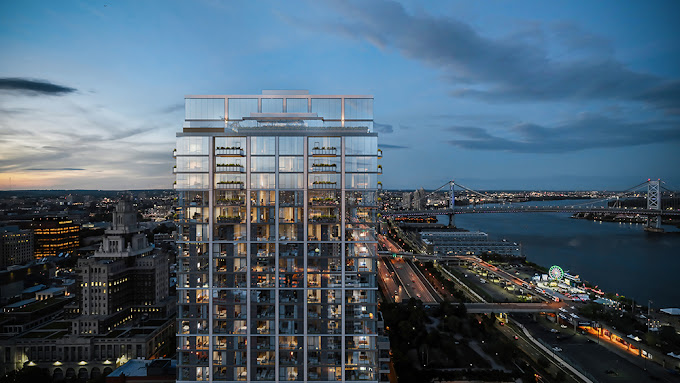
x=229, y=151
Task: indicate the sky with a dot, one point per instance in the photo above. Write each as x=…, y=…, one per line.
x=576, y=95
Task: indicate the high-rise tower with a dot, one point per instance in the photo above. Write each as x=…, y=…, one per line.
x=277, y=262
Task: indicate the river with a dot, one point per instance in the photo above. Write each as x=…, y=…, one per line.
x=618, y=257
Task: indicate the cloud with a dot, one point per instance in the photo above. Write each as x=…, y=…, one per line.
x=53, y=169
x=388, y=146
x=173, y=108
x=514, y=68
x=383, y=128
x=586, y=132
x=33, y=87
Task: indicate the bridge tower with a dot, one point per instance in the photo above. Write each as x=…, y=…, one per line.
x=653, y=203
x=452, y=204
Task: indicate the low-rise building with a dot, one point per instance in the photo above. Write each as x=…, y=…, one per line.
x=467, y=243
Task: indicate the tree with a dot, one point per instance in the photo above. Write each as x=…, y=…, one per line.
x=26, y=375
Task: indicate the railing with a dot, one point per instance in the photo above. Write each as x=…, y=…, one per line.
x=230, y=168
x=323, y=151
x=229, y=152
x=230, y=185
x=324, y=168
x=324, y=185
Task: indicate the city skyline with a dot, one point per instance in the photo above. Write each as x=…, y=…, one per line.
x=540, y=96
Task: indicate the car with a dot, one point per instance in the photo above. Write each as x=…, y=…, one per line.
x=557, y=349
x=552, y=330
x=563, y=326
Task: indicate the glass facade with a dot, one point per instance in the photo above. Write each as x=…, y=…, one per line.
x=278, y=249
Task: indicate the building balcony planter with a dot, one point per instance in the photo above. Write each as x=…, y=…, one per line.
x=229, y=151
x=228, y=219
x=230, y=185
x=324, y=151
x=324, y=168
x=323, y=202
x=230, y=202
x=324, y=185
x=234, y=168
x=324, y=219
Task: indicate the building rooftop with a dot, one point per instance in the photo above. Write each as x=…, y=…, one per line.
x=20, y=303
x=143, y=367
x=34, y=289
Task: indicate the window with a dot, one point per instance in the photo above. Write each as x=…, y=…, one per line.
x=291, y=145
x=241, y=107
x=328, y=108
x=361, y=164
x=192, y=164
x=358, y=109
x=296, y=105
x=192, y=181
x=192, y=145
x=263, y=145
x=263, y=181
x=291, y=164
x=204, y=108
x=262, y=164
x=291, y=181
x=361, y=145
x=272, y=105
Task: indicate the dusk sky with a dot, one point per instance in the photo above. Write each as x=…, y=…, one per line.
x=493, y=94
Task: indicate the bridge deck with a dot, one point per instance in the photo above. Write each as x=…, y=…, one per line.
x=513, y=307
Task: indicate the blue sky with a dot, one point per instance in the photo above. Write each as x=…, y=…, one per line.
x=494, y=94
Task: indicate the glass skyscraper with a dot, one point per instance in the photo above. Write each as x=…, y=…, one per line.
x=277, y=200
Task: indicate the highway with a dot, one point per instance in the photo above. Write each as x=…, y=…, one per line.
x=387, y=275
x=413, y=285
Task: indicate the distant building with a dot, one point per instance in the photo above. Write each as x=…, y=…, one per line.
x=54, y=236
x=406, y=200
x=418, y=202
x=122, y=311
x=16, y=246
x=123, y=279
x=467, y=243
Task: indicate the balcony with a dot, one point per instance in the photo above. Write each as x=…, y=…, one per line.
x=229, y=151
x=239, y=185
x=229, y=168
x=324, y=151
x=324, y=185
x=324, y=219
x=230, y=202
x=320, y=201
x=228, y=219
x=324, y=168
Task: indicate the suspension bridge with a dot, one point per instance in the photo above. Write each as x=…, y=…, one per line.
x=652, y=190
